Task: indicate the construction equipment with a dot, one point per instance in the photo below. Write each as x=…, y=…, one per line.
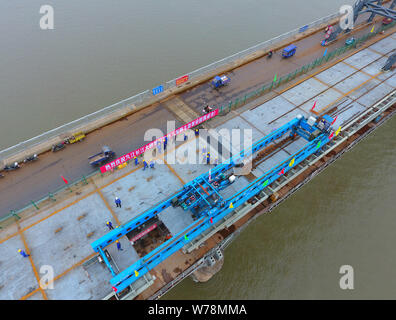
x=289, y=51
x=202, y=198
x=57, y=147
x=76, y=137
x=220, y=81
x=101, y=157
x=31, y=158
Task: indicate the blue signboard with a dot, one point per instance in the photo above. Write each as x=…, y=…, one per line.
x=158, y=89
x=302, y=29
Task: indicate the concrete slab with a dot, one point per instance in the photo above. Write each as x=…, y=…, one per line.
x=295, y=146
x=323, y=100
x=270, y=162
x=176, y=219
x=141, y=190
x=351, y=85
x=336, y=73
x=36, y=296
x=285, y=119
x=374, y=69
x=375, y=95
x=392, y=80
x=191, y=159
x=240, y=183
x=16, y=277
x=304, y=91
x=90, y=283
x=268, y=112
x=348, y=114
x=384, y=46
x=125, y=257
x=65, y=238
x=243, y=123
x=362, y=58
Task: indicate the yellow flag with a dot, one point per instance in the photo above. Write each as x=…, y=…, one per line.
x=372, y=30
x=292, y=162
x=231, y=205
x=136, y=273
x=338, y=131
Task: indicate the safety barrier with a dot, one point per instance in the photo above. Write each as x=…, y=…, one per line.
x=135, y=102
x=239, y=101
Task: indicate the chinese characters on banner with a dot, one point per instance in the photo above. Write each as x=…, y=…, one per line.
x=137, y=152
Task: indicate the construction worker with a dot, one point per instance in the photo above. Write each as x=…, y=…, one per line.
x=119, y=245
x=152, y=164
x=159, y=146
x=165, y=142
x=118, y=202
x=110, y=225
x=208, y=158
x=196, y=131
x=136, y=161
x=145, y=164
x=185, y=137
x=23, y=253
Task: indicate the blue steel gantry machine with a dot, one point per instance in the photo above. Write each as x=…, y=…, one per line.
x=202, y=196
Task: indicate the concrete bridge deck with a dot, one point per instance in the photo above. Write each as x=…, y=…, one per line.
x=60, y=235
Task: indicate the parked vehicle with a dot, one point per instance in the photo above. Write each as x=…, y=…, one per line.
x=57, y=147
x=31, y=158
x=11, y=167
x=289, y=51
x=76, y=137
x=101, y=157
x=220, y=81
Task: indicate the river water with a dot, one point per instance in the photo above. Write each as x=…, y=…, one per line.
x=101, y=52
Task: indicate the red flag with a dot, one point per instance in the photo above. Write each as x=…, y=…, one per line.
x=64, y=180
x=331, y=136
x=334, y=120
x=282, y=172
x=115, y=289
x=313, y=106
x=211, y=220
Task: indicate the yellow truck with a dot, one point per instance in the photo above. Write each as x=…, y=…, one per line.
x=76, y=137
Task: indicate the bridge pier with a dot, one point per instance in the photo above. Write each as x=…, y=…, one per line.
x=212, y=265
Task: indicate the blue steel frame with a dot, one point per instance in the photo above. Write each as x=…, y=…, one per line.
x=161, y=253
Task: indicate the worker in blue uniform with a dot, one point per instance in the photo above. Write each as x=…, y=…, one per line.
x=118, y=245
x=110, y=225
x=145, y=164
x=136, y=161
x=23, y=253
x=118, y=202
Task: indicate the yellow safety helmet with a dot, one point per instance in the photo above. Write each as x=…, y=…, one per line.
x=20, y=250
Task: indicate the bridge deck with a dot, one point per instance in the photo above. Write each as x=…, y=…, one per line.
x=61, y=235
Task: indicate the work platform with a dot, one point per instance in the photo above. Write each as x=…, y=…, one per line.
x=60, y=237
